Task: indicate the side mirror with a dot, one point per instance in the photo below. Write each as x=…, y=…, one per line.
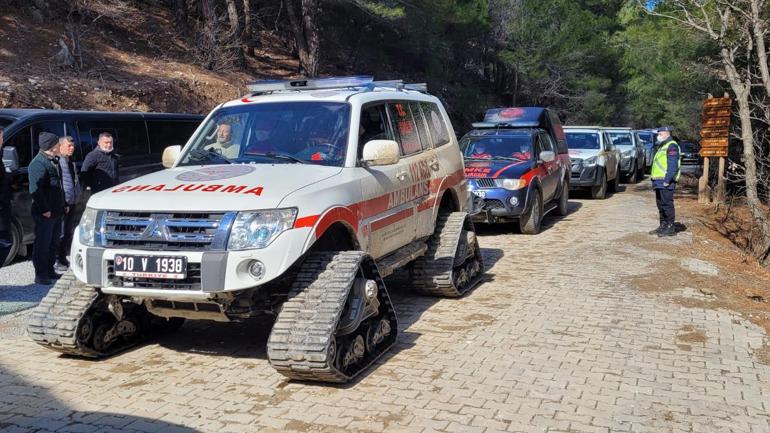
x=547, y=156
x=10, y=159
x=170, y=155
x=380, y=152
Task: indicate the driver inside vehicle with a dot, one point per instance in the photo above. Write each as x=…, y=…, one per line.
x=524, y=152
x=223, y=142
x=480, y=152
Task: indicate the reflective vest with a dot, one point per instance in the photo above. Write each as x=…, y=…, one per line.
x=660, y=162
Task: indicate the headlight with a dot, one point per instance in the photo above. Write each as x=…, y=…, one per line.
x=590, y=161
x=255, y=230
x=628, y=153
x=87, y=227
x=512, y=184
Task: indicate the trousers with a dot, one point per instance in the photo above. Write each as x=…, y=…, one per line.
x=67, y=231
x=664, y=198
x=46, y=246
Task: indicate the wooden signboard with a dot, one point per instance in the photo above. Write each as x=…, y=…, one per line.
x=715, y=141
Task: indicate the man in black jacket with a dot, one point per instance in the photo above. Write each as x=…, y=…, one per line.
x=6, y=240
x=48, y=207
x=71, y=186
x=100, y=167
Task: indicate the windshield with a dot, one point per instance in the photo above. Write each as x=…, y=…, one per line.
x=647, y=138
x=280, y=132
x=621, y=139
x=517, y=147
x=4, y=122
x=582, y=140
x=690, y=147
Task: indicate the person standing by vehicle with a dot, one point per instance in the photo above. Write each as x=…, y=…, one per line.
x=71, y=186
x=48, y=206
x=6, y=239
x=100, y=167
x=666, y=169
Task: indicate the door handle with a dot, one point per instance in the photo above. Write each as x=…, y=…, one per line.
x=401, y=176
x=435, y=165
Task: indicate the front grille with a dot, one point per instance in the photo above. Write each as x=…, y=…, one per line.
x=192, y=282
x=485, y=182
x=165, y=231
x=491, y=203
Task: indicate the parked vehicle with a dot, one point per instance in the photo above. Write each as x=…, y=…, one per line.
x=336, y=184
x=692, y=163
x=595, y=160
x=647, y=137
x=632, y=153
x=139, y=139
x=516, y=168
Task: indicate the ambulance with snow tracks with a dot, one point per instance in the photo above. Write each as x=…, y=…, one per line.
x=295, y=201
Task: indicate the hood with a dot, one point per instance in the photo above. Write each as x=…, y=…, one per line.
x=216, y=188
x=583, y=153
x=497, y=169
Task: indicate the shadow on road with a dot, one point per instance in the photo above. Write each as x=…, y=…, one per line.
x=18, y=298
x=29, y=407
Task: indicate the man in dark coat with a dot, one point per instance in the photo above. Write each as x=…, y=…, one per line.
x=6, y=239
x=71, y=186
x=48, y=207
x=100, y=167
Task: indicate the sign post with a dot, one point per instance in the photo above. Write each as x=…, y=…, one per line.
x=715, y=141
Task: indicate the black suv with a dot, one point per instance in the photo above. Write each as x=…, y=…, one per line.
x=139, y=139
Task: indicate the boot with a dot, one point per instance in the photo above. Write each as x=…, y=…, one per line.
x=656, y=231
x=667, y=230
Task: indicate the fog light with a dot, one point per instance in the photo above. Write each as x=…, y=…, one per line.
x=513, y=201
x=79, y=262
x=257, y=270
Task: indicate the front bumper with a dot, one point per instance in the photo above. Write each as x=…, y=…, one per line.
x=209, y=272
x=627, y=165
x=584, y=176
x=493, y=204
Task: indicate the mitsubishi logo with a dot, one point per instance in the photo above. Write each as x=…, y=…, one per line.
x=157, y=229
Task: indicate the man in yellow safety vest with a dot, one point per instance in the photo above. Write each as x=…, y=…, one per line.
x=666, y=170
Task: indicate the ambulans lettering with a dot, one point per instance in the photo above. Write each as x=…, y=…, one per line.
x=192, y=187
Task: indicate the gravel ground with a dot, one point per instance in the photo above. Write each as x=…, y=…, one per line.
x=17, y=293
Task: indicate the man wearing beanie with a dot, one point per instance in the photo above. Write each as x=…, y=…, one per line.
x=45, y=187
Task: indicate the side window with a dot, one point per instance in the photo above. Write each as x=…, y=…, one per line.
x=165, y=133
x=608, y=142
x=404, y=128
x=539, y=146
x=436, y=124
x=547, y=142
x=422, y=128
x=558, y=130
x=22, y=141
x=56, y=128
x=129, y=138
x=373, y=126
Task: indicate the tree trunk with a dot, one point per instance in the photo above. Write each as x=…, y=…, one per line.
x=236, y=31
x=247, y=32
x=180, y=15
x=306, y=33
x=759, y=30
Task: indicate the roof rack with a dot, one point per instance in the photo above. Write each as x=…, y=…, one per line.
x=357, y=81
x=502, y=125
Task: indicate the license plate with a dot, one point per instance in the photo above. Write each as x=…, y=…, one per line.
x=171, y=268
x=479, y=193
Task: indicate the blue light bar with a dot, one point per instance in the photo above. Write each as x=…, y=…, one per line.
x=310, y=83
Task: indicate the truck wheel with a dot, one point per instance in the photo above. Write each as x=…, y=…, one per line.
x=452, y=265
x=631, y=178
x=600, y=191
x=612, y=186
x=529, y=223
x=640, y=174
x=14, y=251
x=337, y=321
x=78, y=320
x=563, y=206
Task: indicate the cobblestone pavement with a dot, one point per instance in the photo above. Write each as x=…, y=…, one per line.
x=556, y=339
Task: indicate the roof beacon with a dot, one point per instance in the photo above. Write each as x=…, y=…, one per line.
x=310, y=83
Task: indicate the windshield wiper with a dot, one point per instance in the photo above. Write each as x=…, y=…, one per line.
x=201, y=154
x=275, y=155
x=506, y=158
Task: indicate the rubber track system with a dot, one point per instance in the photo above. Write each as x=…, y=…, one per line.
x=453, y=265
x=75, y=319
x=304, y=344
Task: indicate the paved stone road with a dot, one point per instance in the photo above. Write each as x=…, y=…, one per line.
x=557, y=339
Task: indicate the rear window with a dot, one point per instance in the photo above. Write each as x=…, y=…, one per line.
x=582, y=140
x=405, y=128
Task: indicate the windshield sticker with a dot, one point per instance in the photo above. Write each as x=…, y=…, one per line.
x=215, y=173
x=477, y=171
x=192, y=187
